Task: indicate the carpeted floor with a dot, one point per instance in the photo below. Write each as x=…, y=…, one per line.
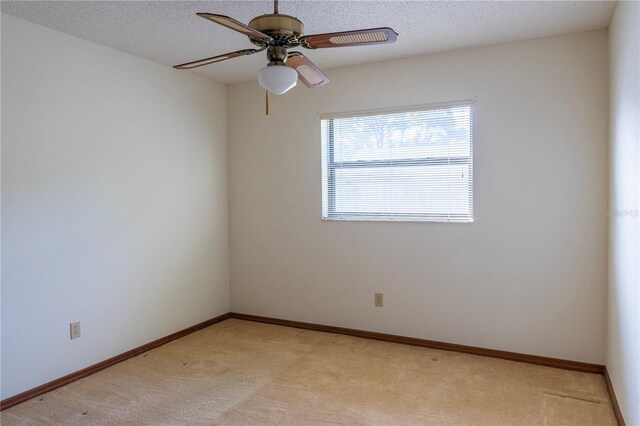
x=240, y=372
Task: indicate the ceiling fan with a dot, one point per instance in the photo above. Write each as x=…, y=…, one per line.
x=276, y=33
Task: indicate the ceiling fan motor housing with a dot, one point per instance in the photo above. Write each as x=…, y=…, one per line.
x=284, y=29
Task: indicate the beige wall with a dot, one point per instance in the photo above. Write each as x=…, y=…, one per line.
x=529, y=275
x=623, y=333
x=114, y=202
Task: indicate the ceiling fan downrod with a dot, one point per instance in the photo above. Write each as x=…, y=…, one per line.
x=275, y=7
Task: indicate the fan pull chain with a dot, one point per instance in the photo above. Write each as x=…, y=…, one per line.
x=266, y=93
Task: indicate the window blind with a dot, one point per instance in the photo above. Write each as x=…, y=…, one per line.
x=405, y=165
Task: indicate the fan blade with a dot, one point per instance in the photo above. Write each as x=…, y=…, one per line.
x=383, y=35
x=218, y=58
x=235, y=25
x=308, y=72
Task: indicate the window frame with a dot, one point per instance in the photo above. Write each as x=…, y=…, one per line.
x=329, y=167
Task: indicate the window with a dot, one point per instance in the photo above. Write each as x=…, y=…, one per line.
x=413, y=165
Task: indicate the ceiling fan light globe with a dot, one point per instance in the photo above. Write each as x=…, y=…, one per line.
x=277, y=79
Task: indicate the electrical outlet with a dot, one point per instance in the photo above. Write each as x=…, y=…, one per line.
x=74, y=329
x=379, y=300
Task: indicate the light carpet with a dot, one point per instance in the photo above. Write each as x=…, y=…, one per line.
x=241, y=372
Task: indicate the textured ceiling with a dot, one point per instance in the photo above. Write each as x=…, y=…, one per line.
x=170, y=33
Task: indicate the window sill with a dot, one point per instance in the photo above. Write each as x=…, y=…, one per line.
x=399, y=219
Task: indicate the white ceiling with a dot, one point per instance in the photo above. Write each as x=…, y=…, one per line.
x=170, y=33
